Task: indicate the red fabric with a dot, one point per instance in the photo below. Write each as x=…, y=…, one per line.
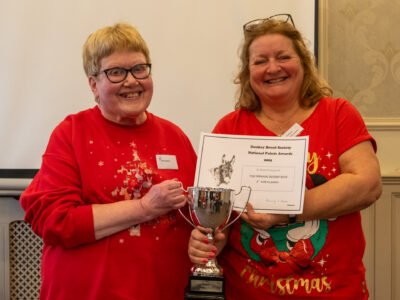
x=286, y=263
x=91, y=160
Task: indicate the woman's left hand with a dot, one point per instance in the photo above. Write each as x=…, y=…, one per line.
x=262, y=220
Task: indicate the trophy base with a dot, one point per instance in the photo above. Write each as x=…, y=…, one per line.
x=204, y=296
x=205, y=287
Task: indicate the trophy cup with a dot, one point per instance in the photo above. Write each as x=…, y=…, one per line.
x=210, y=208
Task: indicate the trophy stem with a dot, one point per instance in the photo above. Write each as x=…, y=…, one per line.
x=210, y=237
x=211, y=268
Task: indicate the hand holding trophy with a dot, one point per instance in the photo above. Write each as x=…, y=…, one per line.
x=211, y=208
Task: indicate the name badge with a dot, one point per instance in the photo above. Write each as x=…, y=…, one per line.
x=166, y=162
x=295, y=130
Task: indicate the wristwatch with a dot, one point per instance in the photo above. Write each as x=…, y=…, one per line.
x=292, y=219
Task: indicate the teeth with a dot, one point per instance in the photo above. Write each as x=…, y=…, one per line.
x=275, y=80
x=131, y=95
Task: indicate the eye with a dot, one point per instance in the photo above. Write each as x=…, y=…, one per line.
x=284, y=57
x=259, y=61
x=139, y=68
x=116, y=72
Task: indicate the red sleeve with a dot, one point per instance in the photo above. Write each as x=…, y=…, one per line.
x=351, y=127
x=53, y=203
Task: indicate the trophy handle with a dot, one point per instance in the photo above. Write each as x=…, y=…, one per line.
x=244, y=207
x=191, y=222
x=186, y=218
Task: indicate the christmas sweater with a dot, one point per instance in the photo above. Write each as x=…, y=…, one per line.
x=318, y=259
x=90, y=160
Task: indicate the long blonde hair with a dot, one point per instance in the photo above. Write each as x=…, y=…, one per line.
x=313, y=88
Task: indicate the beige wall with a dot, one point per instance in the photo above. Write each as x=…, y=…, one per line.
x=360, y=56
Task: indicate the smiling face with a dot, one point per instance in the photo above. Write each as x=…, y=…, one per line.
x=276, y=72
x=126, y=102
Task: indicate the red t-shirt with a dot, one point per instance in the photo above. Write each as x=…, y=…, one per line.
x=91, y=160
x=315, y=259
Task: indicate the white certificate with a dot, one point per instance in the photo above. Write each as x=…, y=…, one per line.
x=274, y=168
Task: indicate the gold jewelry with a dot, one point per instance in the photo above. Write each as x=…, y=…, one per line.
x=280, y=126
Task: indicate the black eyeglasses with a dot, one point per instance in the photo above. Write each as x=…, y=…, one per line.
x=117, y=75
x=250, y=26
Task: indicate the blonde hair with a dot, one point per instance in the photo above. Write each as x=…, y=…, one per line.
x=105, y=41
x=313, y=88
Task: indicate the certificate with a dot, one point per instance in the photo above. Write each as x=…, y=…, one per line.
x=274, y=168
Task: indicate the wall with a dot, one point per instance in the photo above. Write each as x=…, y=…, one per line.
x=193, y=47
x=360, y=57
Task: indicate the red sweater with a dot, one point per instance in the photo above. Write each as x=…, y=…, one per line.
x=90, y=160
x=320, y=259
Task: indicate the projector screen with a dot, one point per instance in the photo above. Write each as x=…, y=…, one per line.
x=194, y=50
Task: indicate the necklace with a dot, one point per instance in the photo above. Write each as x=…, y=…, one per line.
x=279, y=127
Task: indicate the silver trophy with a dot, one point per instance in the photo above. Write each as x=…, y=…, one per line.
x=212, y=208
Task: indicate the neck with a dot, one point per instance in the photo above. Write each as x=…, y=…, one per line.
x=279, y=121
x=281, y=115
x=126, y=120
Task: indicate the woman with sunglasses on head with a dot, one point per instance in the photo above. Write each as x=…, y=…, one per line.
x=317, y=254
x=106, y=196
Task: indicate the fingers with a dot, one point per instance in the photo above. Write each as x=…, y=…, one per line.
x=204, y=230
x=245, y=217
x=256, y=220
x=219, y=236
x=262, y=220
x=175, y=193
x=200, y=249
x=178, y=202
x=171, y=188
x=174, y=184
x=165, y=196
x=250, y=208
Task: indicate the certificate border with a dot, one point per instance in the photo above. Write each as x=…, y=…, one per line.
x=304, y=139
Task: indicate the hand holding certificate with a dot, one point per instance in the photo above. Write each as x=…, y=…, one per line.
x=274, y=168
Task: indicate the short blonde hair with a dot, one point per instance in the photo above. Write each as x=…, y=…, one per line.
x=105, y=41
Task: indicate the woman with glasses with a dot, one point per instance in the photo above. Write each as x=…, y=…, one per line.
x=317, y=254
x=106, y=197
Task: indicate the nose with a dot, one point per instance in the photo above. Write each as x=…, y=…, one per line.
x=273, y=66
x=130, y=79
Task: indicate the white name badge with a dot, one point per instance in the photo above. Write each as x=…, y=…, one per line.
x=295, y=130
x=166, y=162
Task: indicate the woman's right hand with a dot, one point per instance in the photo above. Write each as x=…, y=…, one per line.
x=163, y=197
x=159, y=200
x=200, y=249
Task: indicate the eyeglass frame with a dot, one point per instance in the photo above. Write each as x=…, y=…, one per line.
x=130, y=70
x=289, y=18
